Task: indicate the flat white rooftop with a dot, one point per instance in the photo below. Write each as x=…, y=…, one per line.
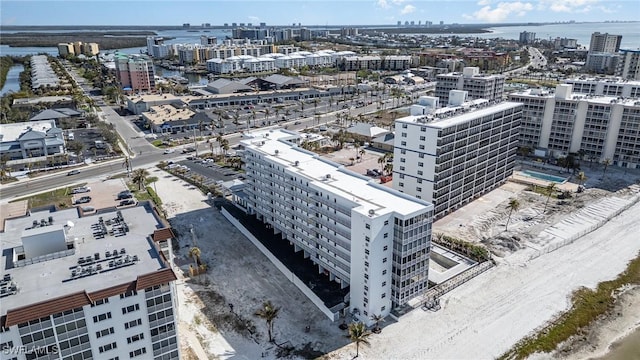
x=333, y=177
x=600, y=99
x=51, y=279
x=446, y=117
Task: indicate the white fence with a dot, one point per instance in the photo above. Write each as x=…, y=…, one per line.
x=283, y=269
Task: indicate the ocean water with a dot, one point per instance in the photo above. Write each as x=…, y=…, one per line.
x=626, y=349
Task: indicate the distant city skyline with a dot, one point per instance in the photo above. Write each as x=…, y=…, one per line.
x=311, y=12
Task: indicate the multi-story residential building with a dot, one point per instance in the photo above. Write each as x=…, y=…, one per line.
x=87, y=287
x=450, y=156
x=604, y=86
x=208, y=40
x=606, y=42
x=600, y=127
x=478, y=86
x=527, y=37
x=65, y=49
x=364, y=235
x=135, y=72
x=600, y=62
x=565, y=43
x=90, y=49
x=629, y=65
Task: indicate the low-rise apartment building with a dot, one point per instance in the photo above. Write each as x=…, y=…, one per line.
x=362, y=234
x=87, y=288
x=600, y=127
x=449, y=156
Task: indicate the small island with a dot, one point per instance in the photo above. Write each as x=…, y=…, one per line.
x=106, y=39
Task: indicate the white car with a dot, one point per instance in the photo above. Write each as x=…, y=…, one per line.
x=80, y=190
x=168, y=151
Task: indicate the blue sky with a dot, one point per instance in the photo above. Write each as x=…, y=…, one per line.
x=310, y=12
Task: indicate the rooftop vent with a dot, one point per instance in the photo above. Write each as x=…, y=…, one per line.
x=372, y=212
x=296, y=163
x=328, y=176
x=277, y=151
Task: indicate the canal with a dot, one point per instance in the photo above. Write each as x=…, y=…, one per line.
x=13, y=80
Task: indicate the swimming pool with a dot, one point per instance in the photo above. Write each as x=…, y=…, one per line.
x=545, y=177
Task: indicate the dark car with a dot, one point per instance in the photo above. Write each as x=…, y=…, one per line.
x=73, y=172
x=127, y=202
x=83, y=200
x=124, y=195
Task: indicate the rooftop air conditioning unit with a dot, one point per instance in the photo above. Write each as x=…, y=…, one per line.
x=277, y=151
x=328, y=176
x=296, y=163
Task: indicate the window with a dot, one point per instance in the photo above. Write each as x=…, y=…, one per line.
x=401, y=168
x=366, y=263
x=404, y=126
x=419, y=181
x=404, y=134
x=100, y=302
x=128, y=293
x=384, y=295
x=107, y=347
x=383, y=308
x=384, y=283
x=420, y=164
x=403, y=143
x=366, y=238
x=385, y=248
x=104, y=332
x=419, y=189
x=135, y=338
x=366, y=288
x=102, y=317
x=386, y=222
x=366, y=276
x=401, y=184
x=402, y=160
x=137, y=352
x=384, y=260
x=133, y=323
x=422, y=138
x=421, y=156
x=130, y=308
x=367, y=226
x=421, y=147
x=420, y=173
x=366, y=251
x=403, y=151
x=423, y=129
x=384, y=272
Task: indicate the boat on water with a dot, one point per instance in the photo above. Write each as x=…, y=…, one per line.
x=177, y=79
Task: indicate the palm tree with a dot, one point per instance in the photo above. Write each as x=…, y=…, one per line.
x=550, y=189
x=581, y=178
x=266, y=115
x=194, y=253
x=388, y=168
x=269, y=313
x=362, y=152
x=357, y=146
x=358, y=334
x=514, y=205
x=139, y=177
x=377, y=319
x=606, y=163
x=381, y=161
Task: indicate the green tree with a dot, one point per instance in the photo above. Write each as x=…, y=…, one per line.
x=550, y=189
x=514, y=205
x=139, y=177
x=606, y=163
x=388, y=168
x=269, y=313
x=358, y=334
x=378, y=319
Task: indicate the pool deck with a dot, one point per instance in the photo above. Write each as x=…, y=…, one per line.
x=521, y=178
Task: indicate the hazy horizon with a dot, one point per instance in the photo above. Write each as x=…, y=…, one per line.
x=310, y=12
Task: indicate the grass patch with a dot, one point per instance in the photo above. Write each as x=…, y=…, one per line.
x=587, y=306
x=61, y=198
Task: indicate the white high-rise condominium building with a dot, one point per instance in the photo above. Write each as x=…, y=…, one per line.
x=605, y=86
x=364, y=235
x=606, y=42
x=599, y=127
x=94, y=287
x=629, y=64
x=450, y=156
x=478, y=86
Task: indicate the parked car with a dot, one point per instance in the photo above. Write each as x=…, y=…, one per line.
x=125, y=195
x=80, y=190
x=127, y=202
x=297, y=123
x=168, y=151
x=73, y=172
x=83, y=200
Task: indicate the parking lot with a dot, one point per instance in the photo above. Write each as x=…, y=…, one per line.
x=212, y=173
x=103, y=195
x=94, y=143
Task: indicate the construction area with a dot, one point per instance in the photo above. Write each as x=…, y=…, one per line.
x=544, y=250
